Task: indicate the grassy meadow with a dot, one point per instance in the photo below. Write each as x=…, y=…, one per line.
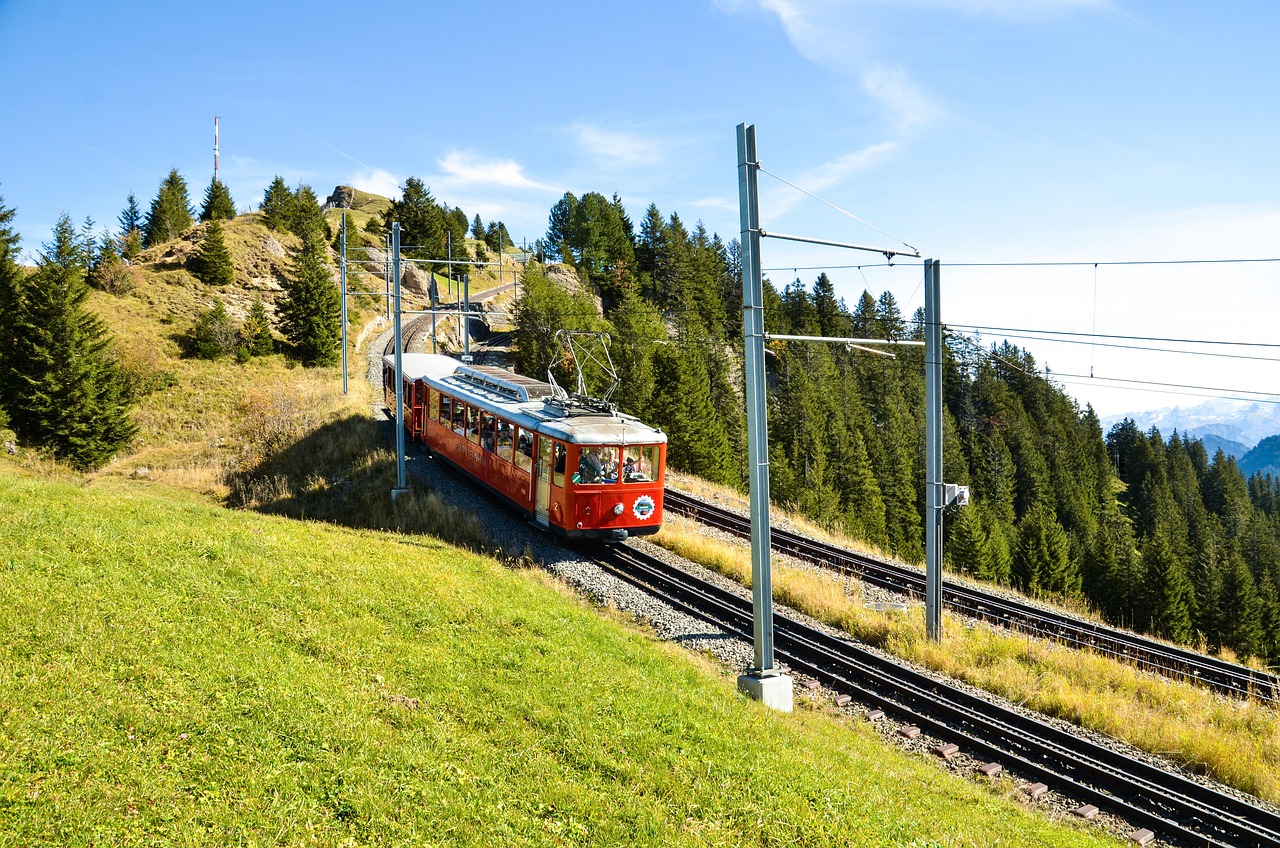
x=176, y=673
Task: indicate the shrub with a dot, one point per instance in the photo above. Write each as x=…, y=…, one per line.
x=213, y=336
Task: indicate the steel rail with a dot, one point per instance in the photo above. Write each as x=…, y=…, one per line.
x=1148, y=654
x=1169, y=804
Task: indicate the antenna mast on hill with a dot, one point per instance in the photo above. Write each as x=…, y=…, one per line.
x=215, y=148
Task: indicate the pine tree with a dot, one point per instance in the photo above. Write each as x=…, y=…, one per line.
x=109, y=273
x=1042, y=559
x=311, y=311
x=560, y=228
x=12, y=303
x=211, y=262
x=130, y=240
x=170, y=213
x=218, y=204
x=307, y=219
x=1170, y=599
x=255, y=335
x=70, y=393
x=477, y=228
x=966, y=544
x=277, y=206
x=130, y=244
x=682, y=407
x=1242, y=623
x=637, y=329
x=214, y=335
x=422, y=223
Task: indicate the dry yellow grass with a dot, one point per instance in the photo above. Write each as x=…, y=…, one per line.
x=1237, y=742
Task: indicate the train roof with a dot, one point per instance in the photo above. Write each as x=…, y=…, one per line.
x=530, y=403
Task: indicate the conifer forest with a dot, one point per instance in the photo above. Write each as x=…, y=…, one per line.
x=1144, y=527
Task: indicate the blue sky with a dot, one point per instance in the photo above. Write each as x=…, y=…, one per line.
x=977, y=130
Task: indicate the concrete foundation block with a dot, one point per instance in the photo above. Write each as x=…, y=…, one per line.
x=774, y=691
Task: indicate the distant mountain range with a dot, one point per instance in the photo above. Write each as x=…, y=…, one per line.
x=1247, y=431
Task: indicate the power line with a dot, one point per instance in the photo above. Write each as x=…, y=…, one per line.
x=1092, y=340
x=837, y=208
x=1124, y=262
x=1130, y=384
x=1114, y=336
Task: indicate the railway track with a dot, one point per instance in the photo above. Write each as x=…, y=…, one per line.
x=1173, y=807
x=1148, y=654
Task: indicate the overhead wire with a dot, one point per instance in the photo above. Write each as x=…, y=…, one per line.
x=1114, y=336
x=837, y=208
x=1129, y=384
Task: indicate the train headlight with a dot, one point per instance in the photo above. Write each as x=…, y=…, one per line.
x=618, y=508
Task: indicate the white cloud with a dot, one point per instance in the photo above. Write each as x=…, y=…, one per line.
x=900, y=97
x=466, y=169
x=779, y=201
x=376, y=181
x=619, y=148
x=841, y=36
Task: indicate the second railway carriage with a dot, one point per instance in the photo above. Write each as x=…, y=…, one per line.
x=576, y=467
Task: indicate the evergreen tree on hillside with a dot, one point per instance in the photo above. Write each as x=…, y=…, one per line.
x=1042, y=559
x=422, y=221
x=682, y=407
x=214, y=335
x=255, y=335
x=306, y=218
x=218, y=204
x=130, y=240
x=1242, y=619
x=496, y=236
x=560, y=228
x=637, y=330
x=477, y=228
x=70, y=394
x=12, y=302
x=966, y=545
x=311, y=311
x=1170, y=599
x=170, y=213
x=108, y=272
x=541, y=309
x=278, y=206
x=211, y=262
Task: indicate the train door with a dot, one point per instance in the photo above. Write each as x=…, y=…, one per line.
x=542, y=488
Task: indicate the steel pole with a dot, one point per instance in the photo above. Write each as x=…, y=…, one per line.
x=464, y=317
x=344, y=301
x=933, y=451
x=401, y=486
x=757, y=423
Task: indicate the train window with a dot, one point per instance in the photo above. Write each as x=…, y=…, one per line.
x=597, y=465
x=459, y=418
x=506, y=441
x=557, y=465
x=473, y=424
x=446, y=410
x=524, y=449
x=433, y=405
x=639, y=463
x=486, y=431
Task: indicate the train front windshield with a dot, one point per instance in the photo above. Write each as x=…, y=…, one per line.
x=631, y=464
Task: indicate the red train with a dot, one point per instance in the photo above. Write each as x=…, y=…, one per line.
x=575, y=467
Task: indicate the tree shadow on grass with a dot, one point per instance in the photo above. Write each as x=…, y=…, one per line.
x=342, y=473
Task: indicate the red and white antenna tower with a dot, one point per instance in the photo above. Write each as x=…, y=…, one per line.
x=215, y=148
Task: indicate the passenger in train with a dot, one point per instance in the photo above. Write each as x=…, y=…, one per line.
x=608, y=466
x=588, y=467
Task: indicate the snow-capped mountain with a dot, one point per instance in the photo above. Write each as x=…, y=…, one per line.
x=1230, y=421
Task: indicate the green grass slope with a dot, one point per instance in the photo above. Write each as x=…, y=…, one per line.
x=174, y=673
